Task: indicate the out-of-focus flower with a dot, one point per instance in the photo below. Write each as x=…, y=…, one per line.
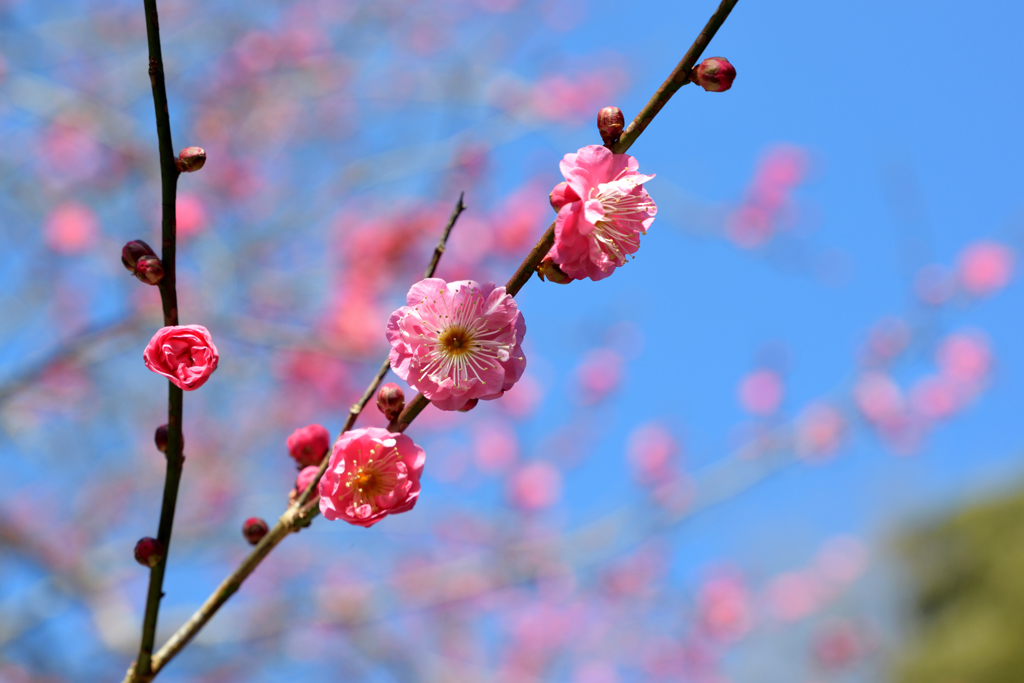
x=602, y=211
x=652, y=452
x=254, y=529
x=985, y=267
x=71, y=228
x=819, y=431
x=723, y=607
x=535, y=486
x=878, y=398
x=149, y=551
x=761, y=392
x=457, y=342
x=184, y=354
x=372, y=473
x=309, y=444
x=598, y=374
x=305, y=478
x=965, y=357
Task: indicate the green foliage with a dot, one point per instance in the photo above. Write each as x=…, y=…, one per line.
x=967, y=571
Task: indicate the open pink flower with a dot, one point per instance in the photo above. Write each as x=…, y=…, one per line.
x=457, y=342
x=372, y=473
x=184, y=354
x=602, y=210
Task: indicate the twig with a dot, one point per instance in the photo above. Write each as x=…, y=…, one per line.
x=679, y=77
x=142, y=669
x=295, y=517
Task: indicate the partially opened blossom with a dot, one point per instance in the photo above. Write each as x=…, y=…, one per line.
x=455, y=342
x=602, y=211
x=372, y=473
x=184, y=354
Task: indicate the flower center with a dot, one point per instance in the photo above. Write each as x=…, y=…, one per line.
x=373, y=478
x=456, y=340
x=616, y=232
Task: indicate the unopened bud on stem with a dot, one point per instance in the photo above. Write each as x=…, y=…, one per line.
x=254, y=529
x=610, y=123
x=191, y=159
x=148, y=269
x=149, y=552
x=549, y=270
x=133, y=251
x=714, y=74
x=391, y=400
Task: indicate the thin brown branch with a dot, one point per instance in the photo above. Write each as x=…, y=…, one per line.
x=142, y=669
x=679, y=77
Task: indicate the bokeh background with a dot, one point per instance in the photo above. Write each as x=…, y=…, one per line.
x=780, y=445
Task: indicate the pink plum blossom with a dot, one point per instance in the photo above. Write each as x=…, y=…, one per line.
x=184, y=354
x=455, y=342
x=71, y=228
x=985, y=267
x=535, y=486
x=602, y=211
x=372, y=473
x=761, y=392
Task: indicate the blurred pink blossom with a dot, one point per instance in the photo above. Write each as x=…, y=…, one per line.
x=761, y=392
x=191, y=215
x=878, y=398
x=495, y=445
x=819, y=430
x=535, y=486
x=842, y=559
x=965, y=356
x=985, y=267
x=935, y=397
x=598, y=374
x=652, y=452
x=724, y=610
x=71, y=228
x=794, y=595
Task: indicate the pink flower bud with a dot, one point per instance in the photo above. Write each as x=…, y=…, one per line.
x=469, y=405
x=549, y=270
x=254, y=530
x=133, y=251
x=610, y=123
x=561, y=195
x=714, y=74
x=148, y=269
x=191, y=159
x=161, y=439
x=149, y=552
x=309, y=445
x=390, y=400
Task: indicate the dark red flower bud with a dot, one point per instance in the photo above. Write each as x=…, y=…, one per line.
x=148, y=269
x=133, y=251
x=470, y=404
x=610, y=123
x=391, y=400
x=161, y=439
x=714, y=74
x=149, y=552
x=550, y=271
x=254, y=530
x=191, y=159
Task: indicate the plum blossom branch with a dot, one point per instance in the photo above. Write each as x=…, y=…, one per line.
x=295, y=517
x=302, y=513
x=679, y=77
x=142, y=668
